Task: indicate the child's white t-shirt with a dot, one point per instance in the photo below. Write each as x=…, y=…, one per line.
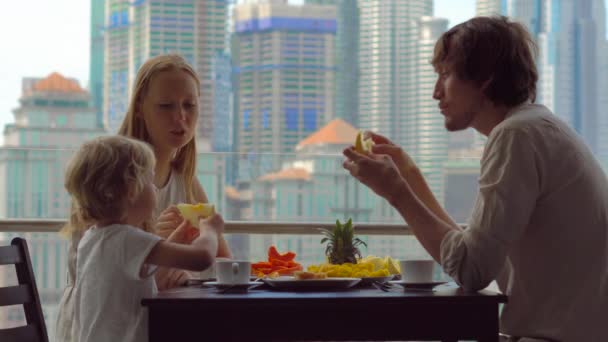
x=109, y=286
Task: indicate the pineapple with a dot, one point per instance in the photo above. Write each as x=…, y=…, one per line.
x=342, y=245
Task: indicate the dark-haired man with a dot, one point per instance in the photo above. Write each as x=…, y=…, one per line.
x=540, y=223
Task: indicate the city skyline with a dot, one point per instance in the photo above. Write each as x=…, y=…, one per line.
x=281, y=88
x=57, y=43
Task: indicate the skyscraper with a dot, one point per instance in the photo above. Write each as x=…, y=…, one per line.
x=96, y=65
x=222, y=103
x=426, y=138
x=117, y=73
x=396, y=80
x=347, y=58
x=491, y=7
x=136, y=31
x=389, y=35
x=600, y=11
x=284, y=73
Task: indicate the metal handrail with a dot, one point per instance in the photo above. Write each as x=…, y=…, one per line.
x=235, y=227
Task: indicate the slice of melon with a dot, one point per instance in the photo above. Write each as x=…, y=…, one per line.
x=194, y=212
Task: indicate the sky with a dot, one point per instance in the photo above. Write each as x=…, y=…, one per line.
x=55, y=37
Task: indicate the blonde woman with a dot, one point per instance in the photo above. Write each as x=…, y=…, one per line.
x=163, y=112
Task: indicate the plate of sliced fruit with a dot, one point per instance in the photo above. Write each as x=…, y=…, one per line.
x=310, y=281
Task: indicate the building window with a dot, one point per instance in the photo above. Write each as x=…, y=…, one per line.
x=291, y=119
x=247, y=120
x=266, y=119
x=310, y=119
x=61, y=120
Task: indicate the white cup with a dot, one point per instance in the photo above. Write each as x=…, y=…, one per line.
x=232, y=271
x=417, y=271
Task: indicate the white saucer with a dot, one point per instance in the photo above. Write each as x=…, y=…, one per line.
x=417, y=285
x=234, y=286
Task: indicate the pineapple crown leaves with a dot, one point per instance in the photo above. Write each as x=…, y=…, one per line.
x=342, y=245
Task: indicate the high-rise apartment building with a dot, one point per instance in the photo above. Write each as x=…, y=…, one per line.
x=491, y=7
x=138, y=30
x=347, y=58
x=97, y=47
x=54, y=113
x=396, y=80
x=426, y=138
x=116, y=71
x=599, y=11
x=284, y=73
x=389, y=35
x=222, y=103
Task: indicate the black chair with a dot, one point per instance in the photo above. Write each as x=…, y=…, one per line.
x=25, y=294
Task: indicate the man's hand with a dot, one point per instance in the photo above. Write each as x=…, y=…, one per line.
x=382, y=145
x=376, y=171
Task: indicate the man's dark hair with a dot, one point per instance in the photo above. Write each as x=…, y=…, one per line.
x=491, y=49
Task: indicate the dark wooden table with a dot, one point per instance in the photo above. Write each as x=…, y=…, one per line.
x=448, y=314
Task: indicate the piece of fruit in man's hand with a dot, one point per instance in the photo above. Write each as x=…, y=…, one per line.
x=194, y=212
x=363, y=145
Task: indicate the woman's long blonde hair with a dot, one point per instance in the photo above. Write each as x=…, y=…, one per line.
x=134, y=126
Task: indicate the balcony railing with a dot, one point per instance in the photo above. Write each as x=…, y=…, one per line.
x=231, y=227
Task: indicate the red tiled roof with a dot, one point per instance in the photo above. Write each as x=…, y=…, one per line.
x=56, y=82
x=232, y=193
x=287, y=174
x=336, y=131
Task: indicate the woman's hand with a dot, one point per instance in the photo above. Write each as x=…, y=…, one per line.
x=382, y=145
x=170, y=221
x=184, y=233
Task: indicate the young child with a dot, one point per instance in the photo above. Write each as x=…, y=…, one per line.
x=110, y=180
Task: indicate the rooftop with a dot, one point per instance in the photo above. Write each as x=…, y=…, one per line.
x=337, y=132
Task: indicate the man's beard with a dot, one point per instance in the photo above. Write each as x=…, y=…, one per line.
x=460, y=123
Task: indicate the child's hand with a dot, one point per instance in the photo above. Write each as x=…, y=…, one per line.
x=184, y=233
x=211, y=229
x=214, y=223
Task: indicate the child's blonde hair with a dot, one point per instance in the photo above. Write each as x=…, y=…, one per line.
x=103, y=175
x=133, y=125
